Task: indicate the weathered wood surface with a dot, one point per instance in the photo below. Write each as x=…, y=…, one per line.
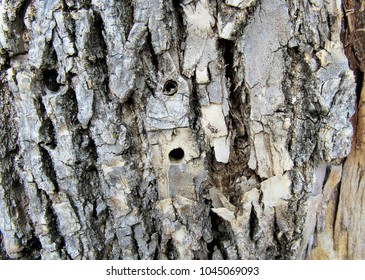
x=148, y=129
x=341, y=234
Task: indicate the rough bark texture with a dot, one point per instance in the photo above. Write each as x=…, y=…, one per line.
x=341, y=235
x=147, y=129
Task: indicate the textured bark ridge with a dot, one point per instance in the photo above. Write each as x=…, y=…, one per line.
x=147, y=129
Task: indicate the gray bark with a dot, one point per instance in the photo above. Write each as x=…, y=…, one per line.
x=146, y=129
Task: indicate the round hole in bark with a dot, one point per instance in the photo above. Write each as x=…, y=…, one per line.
x=50, y=80
x=176, y=154
x=170, y=87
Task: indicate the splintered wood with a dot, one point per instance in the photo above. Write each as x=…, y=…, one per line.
x=354, y=32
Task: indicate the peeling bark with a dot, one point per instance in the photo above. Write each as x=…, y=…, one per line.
x=177, y=130
x=340, y=223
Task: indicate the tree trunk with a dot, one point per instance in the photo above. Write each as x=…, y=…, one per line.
x=195, y=129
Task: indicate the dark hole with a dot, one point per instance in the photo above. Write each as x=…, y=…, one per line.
x=176, y=154
x=50, y=80
x=170, y=87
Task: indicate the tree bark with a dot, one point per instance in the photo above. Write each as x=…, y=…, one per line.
x=193, y=129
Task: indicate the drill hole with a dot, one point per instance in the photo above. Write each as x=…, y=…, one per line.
x=176, y=154
x=170, y=87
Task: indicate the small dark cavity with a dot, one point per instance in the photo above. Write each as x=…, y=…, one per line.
x=170, y=88
x=50, y=80
x=176, y=154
